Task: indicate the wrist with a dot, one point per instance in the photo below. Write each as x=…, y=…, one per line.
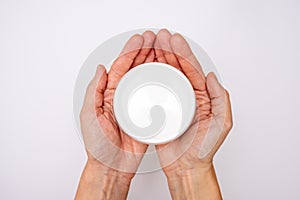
x=199, y=182
x=197, y=168
x=101, y=182
x=101, y=170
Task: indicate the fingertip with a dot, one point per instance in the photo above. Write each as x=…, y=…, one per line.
x=100, y=70
x=136, y=37
x=163, y=33
x=100, y=75
x=133, y=45
x=163, y=36
x=135, y=42
x=163, y=30
x=149, y=34
x=101, y=78
x=138, y=40
x=149, y=38
x=211, y=76
x=214, y=87
x=176, y=37
x=178, y=44
x=212, y=82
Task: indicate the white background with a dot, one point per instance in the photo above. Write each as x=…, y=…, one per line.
x=254, y=44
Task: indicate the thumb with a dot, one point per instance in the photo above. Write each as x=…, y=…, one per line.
x=221, y=122
x=95, y=89
x=220, y=101
x=215, y=89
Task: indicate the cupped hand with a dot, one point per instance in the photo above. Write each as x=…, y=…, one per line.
x=213, y=118
x=105, y=142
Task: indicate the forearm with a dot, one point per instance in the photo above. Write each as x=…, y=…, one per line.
x=99, y=183
x=195, y=184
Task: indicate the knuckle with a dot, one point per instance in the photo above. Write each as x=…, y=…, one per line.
x=82, y=114
x=228, y=125
x=227, y=94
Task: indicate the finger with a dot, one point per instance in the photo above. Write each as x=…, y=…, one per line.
x=150, y=57
x=220, y=101
x=163, y=38
x=100, y=89
x=94, y=91
x=149, y=38
x=222, y=115
x=159, y=55
x=188, y=62
x=123, y=63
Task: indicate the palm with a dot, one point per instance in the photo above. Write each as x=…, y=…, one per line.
x=116, y=135
x=103, y=138
x=210, y=106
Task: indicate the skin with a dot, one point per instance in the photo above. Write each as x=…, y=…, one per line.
x=99, y=181
x=192, y=175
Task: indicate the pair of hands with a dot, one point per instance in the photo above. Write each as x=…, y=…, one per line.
x=210, y=126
